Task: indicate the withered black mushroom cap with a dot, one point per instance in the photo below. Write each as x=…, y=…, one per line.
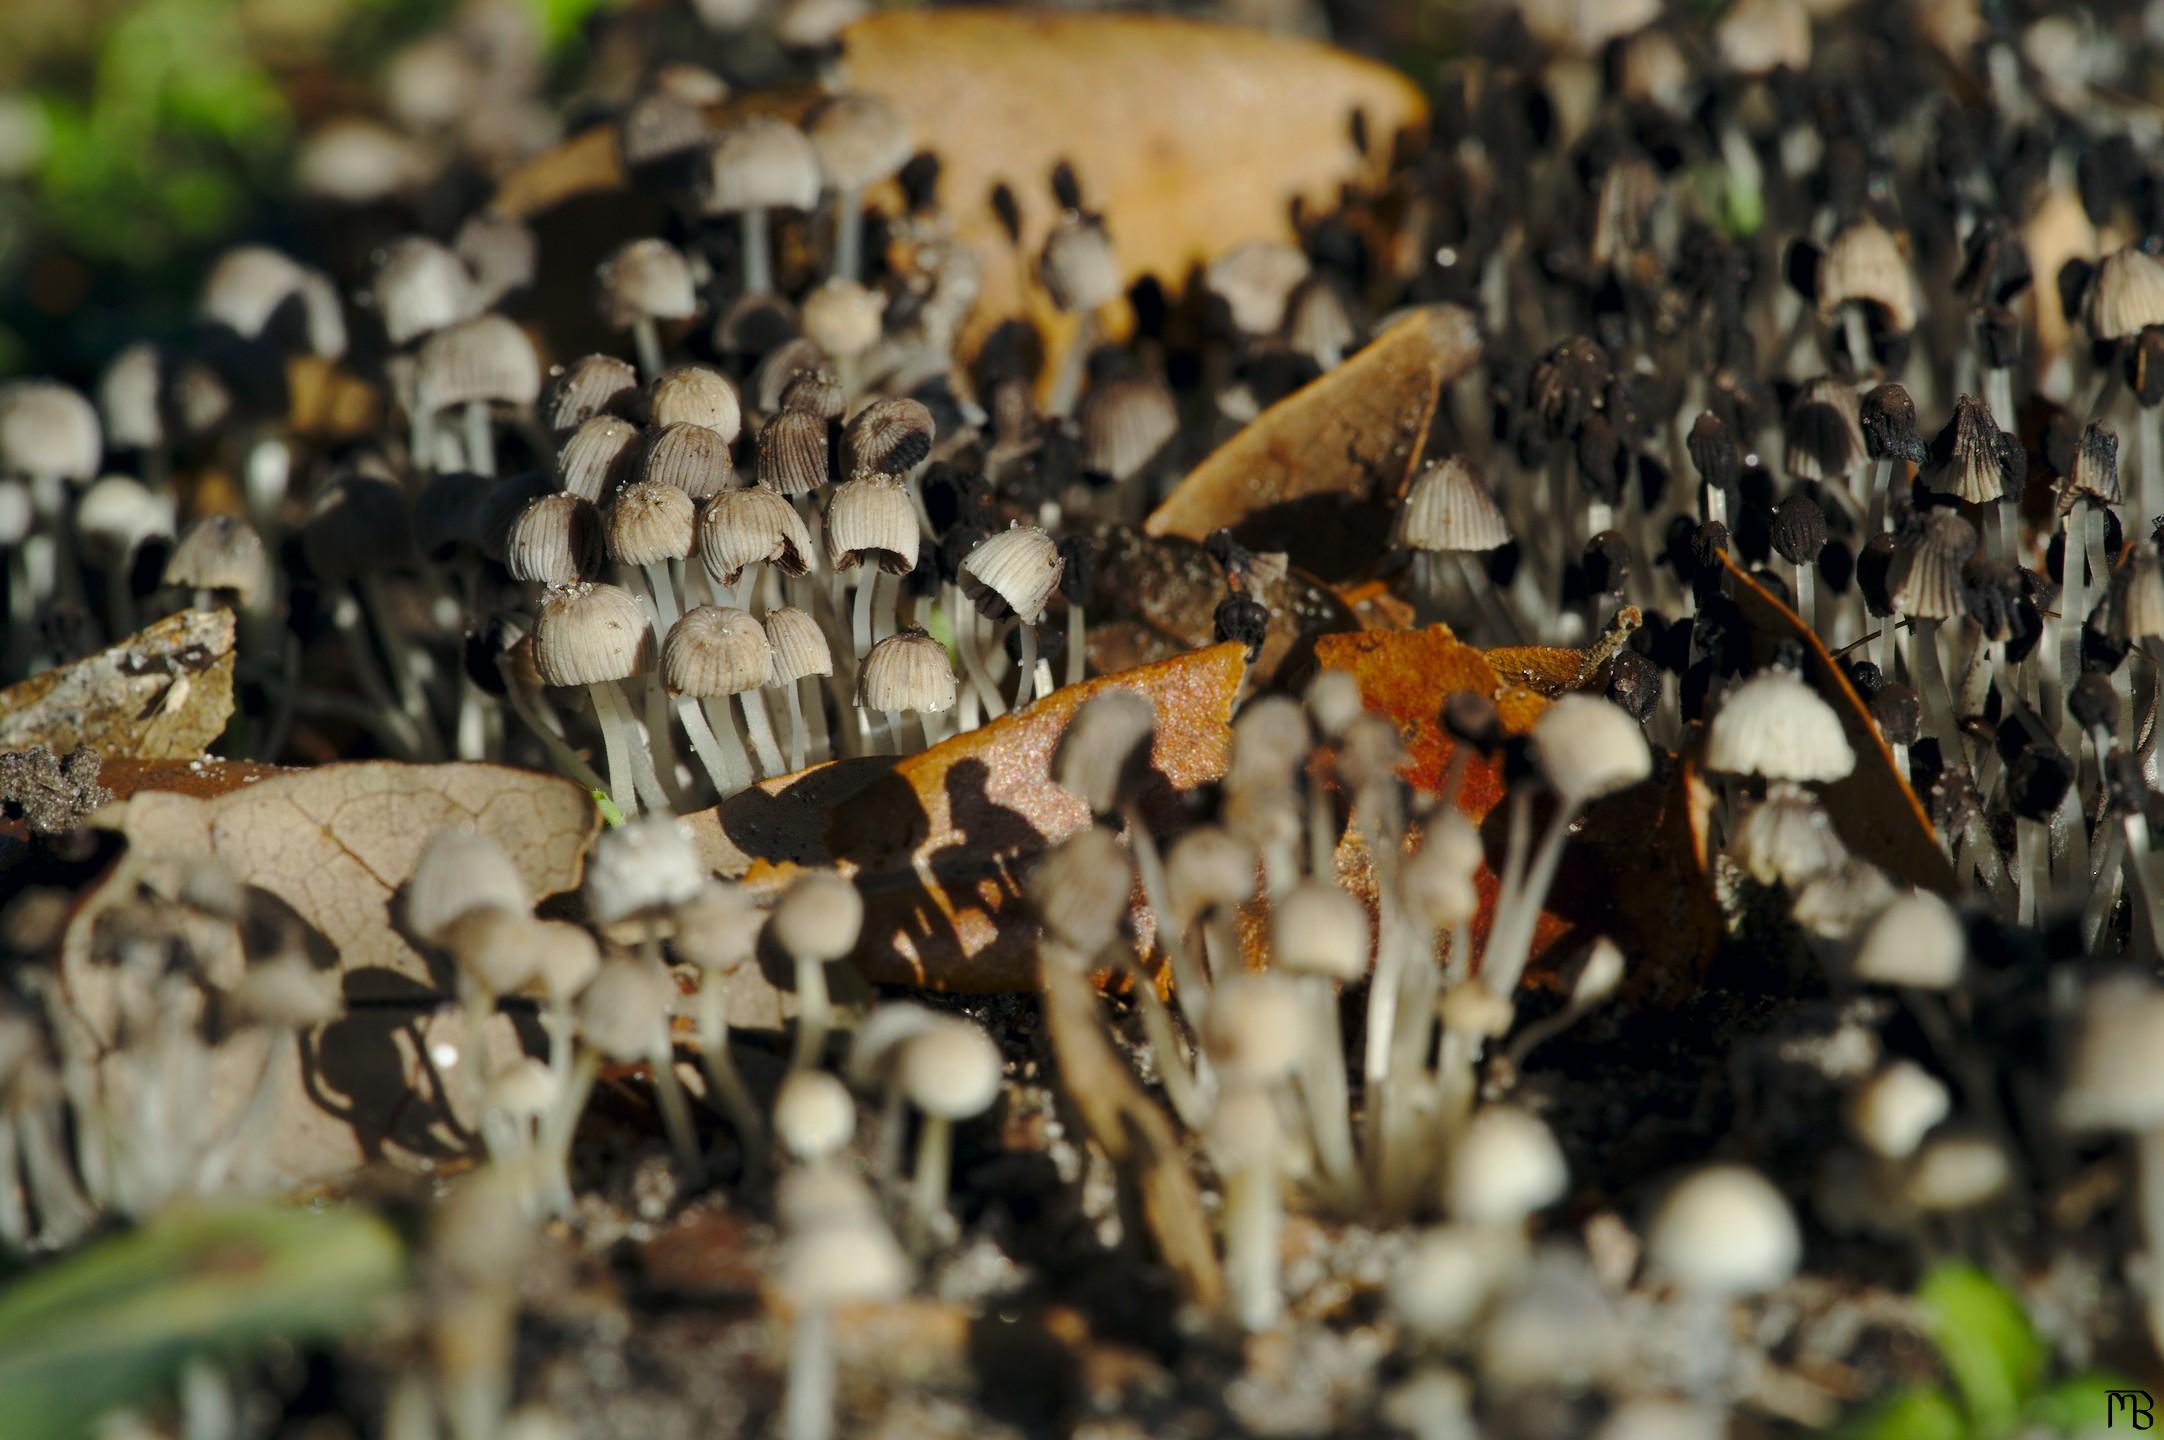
x=1865, y=676
x=1634, y=683
x=1898, y=713
x=1607, y=563
x=1713, y=452
x=1799, y=530
x=1889, y=425
x=1244, y=619
x=2093, y=702
x=2038, y=779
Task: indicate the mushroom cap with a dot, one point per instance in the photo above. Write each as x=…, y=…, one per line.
x=714, y=651
x=646, y=279
x=860, y=139
x=555, y=540
x=1106, y=742
x=501, y=251
x=650, y=523
x=1439, y=1286
x=2126, y=296
x=1587, y=747
x=589, y=633
x=691, y=457
x=762, y=163
x=752, y=526
x=951, y=1070
x=1725, y=1230
x=1270, y=744
x=843, y=318
x=493, y=947
x=1127, y=422
x=793, y=453
x=1015, y=570
x=117, y=513
x=1787, y=839
x=1893, y=1110
x=1450, y=510
x=1316, y=928
x=814, y=1115
x=131, y=397
x=718, y=929
x=459, y=870
x=592, y=385
x=1957, y=1172
x=287, y=992
x=2116, y=1081
x=1837, y=903
x=856, y=1262
x=565, y=960
x=253, y=289
x=1758, y=37
x=1257, y=1028
x=1255, y=280
x=598, y=457
x=1823, y=432
x=1506, y=1166
x=421, y=286
x=1081, y=888
x=624, y=1010
x=800, y=646
x=487, y=358
x=48, y=429
x=220, y=552
x=820, y=1196
x=698, y=395
x=1864, y=264
x=888, y=437
x=1208, y=868
x=2136, y=611
x=525, y=1089
x=908, y=671
x=818, y=918
x=1077, y=265
x=642, y=868
x=1926, y=582
x=1775, y=725
x=1917, y=941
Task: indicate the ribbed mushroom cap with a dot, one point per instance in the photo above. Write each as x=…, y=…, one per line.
x=502, y=252
x=556, y=540
x=887, y=437
x=907, y=671
x=1255, y=280
x=601, y=455
x=1775, y=725
x=753, y=526
x=1077, y=265
x=659, y=126
x=649, y=523
x=800, y=646
x=421, y=286
x=2137, y=596
x=793, y=453
x=860, y=140
x=1758, y=37
x=460, y=870
x=1317, y=928
x=592, y=385
x=1888, y=416
x=486, y=358
x=843, y=317
x=645, y=279
x=814, y=1116
x=815, y=392
x=2126, y=296
x=872, y=519
x=760, y=164
x=48, y=429
x=1864, y=264
x=1787, y=839
x=793, y=357
x=1972, y=457
x=1104, y=746
x=356, y=525
x=131, y=398
x=253, y=287
x=1917, y=941
x=692, y=458
x=1824, y=431
x=818, y=918
x=697, y=395
x=716, y=650
x=589, y=633
x=220, y=552
x=2096, y=468
x=642, y=868
x=624, y=1010
x=1587, y=747
x=1505, y=1166
x=1127, y=422
x=1926, y=582
x=2116, y=1081
x=1015, y=571
x=1448, y=509
x=950, y=1069
x=1725, y=1230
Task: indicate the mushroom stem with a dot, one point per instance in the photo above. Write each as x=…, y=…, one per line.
x=1253, y=1225
x=761, y=730
x=675, y=1111
x=1510, y=941
x=480, y=439
x=1068, y=381
x=722, y=1076
x=1077, y=648
x=646, y=336
x=406, y=666
x=398, y=726
x=928, y=1182
x=1173, y=1070
x=1025, y=688
x=965, y=645
x=808, y=1407
x=560, y=753
x=813, y=1009
x=796, y=726
x=1931, y=685
x=848, y=233
x=861, y=618
x=632, y=781
x=662, y=735
x=726, y=764
x=758, y=259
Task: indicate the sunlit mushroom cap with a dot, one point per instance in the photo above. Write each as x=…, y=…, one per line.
x=753, y=526
x=690, y=457
x=2126, y=296
x=909, y=672
x=1014, y=571
x=1864, y=265
x=872, y=519
x=48, y=429
x=1505, y=1166
x=860, y=140
x=698, y=395
x=589, y=633
x=118, y=513
x=1317, y=928
x=253, y=289
x=715, y=650
x=844, y=318
x=1787, y=839
x=650, y=523
x=1775, y=725
x=1587, y=747
x=354, y=160
x=818, y=918
x=642, y=867
x=1255, y=280
x=1127, y=422
x=887, y=437
x=950, y=1069
x=814, y=1116
x=220, y=553
x=592, y=385
x=460, y=870
x=646, y=279
x=1893, y=1110
x=487, y=358
x=421, y=286
x=1081, y=888
x=556, y=540
x=718, y=929
x=1725, y=1229
x=793, y=453
x=1917, y=941
x=1078, y=266
x=1449, y=509
x=624, y=1010
x=1104, y=745
x=1952, y=1173
x=1838, y=903
x=855, y=1263
x=760, y=164
x=493, y=948
x=1208, y=868
x=131, y=398
x=600, y=455
x=800, y=646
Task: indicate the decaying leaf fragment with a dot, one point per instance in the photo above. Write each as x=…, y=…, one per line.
x=1313, y=474
x=164, y=693
x=1875, y=812
x=939, y=841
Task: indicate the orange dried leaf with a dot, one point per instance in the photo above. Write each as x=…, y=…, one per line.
x=1349, y=438
x=1875, y=812
x=939, y=841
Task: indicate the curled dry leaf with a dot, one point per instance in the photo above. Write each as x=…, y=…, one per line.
x=1876, y=813
x=1313, y=474
x=326, y=402
x=1627, y=873
x=164, y=693
x=939, y=841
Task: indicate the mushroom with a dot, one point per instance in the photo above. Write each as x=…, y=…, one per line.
x=800, y=653
x=594, y=636
x=816, y=922
x=1319, y=934
x=740, y=530
x=861, y=140
x=870, y=519
x=1448, y=511
x=717, y=932
x=1080, y=271
x=759, y=165
x=643, y=283
x=949, y=1071
x=906, y=673
x=1504, y=1167
x=624, y=1016
x=589, y=387
x=1015, y=572
x=1720, y=1233
x=712, y=653
x=840, y=1258
x=476, y=364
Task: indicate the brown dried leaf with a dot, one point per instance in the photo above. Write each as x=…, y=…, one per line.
x=326, y=402
x=164, y=693
x=939, y=841
x=1312, y=475
x=1876, y=813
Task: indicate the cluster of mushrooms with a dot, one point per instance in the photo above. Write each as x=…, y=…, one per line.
x=1833, y=313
